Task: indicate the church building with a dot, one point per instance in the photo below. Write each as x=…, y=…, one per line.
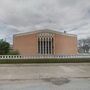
x=45, y=42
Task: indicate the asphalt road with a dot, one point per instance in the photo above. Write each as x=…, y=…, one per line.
x=45, y=76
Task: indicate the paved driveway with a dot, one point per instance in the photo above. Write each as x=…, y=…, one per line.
x=45, y=76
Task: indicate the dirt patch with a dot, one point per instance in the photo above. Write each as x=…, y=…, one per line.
x=57, y=81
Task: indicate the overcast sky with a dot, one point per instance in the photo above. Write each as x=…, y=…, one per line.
x=17, y=16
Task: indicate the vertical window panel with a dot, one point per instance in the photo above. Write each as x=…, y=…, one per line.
x=47, y=45
x=52, y=46
x=39, y=45
x=44, y=45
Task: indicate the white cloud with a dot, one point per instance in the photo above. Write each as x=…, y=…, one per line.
x=27, y=15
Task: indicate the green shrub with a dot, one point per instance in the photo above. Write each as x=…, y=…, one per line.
x=18, y=61
x=13, y=53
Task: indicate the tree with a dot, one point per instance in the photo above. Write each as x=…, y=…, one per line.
x=86, y=49
x=84, y=45
x=4, y=47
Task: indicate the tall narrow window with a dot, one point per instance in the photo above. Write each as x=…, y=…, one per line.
x=44, y=45
x=39, y=45
x=52, y=46
x=49, y=45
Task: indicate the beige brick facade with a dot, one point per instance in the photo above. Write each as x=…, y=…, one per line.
x=27, y=43
x=65, y=44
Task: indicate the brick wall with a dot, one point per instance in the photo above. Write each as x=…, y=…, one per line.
x=27, y=44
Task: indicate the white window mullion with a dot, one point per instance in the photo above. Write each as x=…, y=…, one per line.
x=40, y=45
x=43, y=45
x=48, y=45
x=51, y=45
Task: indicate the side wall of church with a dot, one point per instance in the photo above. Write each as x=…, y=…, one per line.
x=25, y=44
x=65, y=44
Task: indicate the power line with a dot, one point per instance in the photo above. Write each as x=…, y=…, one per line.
x=83, y=33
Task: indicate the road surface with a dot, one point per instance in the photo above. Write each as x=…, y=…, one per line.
x=74, y=76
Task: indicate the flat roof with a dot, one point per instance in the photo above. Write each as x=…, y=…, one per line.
x=45, y=31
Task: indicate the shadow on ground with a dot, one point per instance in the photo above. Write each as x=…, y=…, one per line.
x=57, y=81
